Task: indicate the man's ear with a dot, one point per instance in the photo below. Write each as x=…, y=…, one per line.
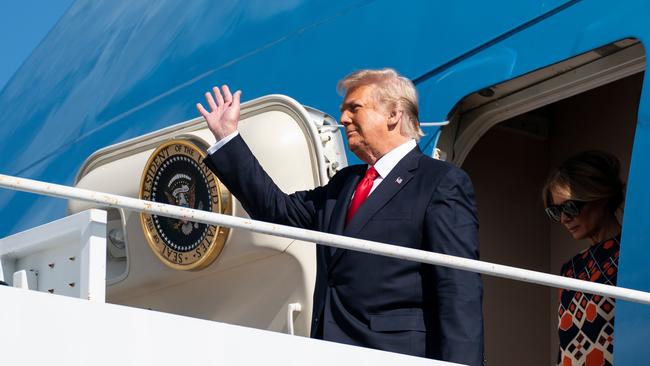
x=394, y=117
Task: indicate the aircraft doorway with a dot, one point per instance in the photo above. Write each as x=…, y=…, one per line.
x=508, y=162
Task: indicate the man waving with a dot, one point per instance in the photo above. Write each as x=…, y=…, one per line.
x=400, y=197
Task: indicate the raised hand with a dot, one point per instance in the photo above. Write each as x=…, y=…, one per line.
x=224, y=113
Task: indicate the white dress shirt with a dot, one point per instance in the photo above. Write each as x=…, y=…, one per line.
x=217, y=145
x=387, y=162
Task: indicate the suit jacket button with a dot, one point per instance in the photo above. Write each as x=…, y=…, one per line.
x=330, y=283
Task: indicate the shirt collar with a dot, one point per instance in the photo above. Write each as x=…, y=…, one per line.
x=387, y=162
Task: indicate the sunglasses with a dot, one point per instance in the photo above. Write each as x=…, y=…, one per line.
x=570, y=208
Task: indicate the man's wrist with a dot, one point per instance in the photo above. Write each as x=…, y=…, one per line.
x=217, y=145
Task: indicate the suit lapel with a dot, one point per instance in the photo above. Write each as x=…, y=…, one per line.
x=337, y=220
x=393, y=183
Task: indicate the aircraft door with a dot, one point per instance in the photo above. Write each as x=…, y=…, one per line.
x=233, y=276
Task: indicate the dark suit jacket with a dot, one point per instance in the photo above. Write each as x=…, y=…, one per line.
x=375, y=301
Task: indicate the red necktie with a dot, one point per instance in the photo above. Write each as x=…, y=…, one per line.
x=361, y=192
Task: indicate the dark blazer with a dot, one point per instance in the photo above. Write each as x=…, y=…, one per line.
x=370, y=300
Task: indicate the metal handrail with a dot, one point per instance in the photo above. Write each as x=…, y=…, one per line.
x=338, y=241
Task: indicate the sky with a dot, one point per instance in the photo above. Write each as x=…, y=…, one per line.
x=23, y=25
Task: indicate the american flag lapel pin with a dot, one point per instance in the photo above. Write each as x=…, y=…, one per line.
x=398, y=180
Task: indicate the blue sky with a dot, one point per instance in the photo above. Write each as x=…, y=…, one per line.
x=23, y=24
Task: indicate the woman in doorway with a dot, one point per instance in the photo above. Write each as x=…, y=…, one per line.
x=584, y=194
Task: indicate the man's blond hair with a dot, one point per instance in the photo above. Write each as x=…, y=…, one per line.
x=393, y=91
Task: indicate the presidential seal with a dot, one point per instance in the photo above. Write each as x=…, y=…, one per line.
x=175, y=174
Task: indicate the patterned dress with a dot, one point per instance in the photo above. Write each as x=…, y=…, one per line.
x=586, y=321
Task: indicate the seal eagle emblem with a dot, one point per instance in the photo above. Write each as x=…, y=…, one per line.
x=175, y=174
